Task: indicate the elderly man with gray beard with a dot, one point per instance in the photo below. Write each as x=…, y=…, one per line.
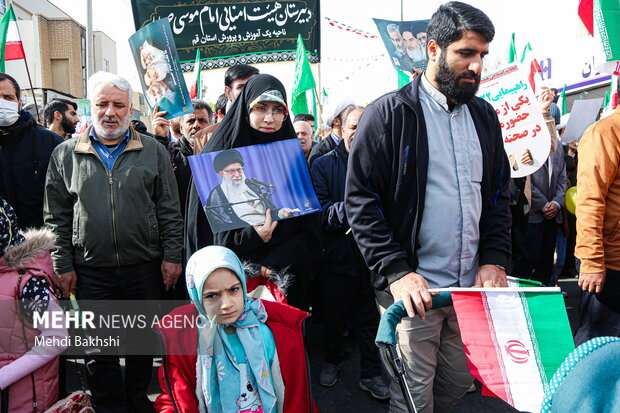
x=112, y=200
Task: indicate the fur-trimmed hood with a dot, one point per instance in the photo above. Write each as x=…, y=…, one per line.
x=37, y=241
x=282, y=278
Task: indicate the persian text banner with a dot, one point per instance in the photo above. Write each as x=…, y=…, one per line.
x=235, y=31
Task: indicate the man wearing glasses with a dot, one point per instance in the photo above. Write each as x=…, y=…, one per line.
x=239, y=201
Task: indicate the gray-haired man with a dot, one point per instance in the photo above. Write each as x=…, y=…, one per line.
x=112, y=199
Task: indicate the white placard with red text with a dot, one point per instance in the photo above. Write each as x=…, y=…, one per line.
x=523, y=126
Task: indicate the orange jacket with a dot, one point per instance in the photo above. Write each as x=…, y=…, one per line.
x=598, y=196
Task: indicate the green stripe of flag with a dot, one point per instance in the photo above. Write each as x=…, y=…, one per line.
x=547, y=313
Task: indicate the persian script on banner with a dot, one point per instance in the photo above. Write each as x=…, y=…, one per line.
x=515, y=339
x=523, y=127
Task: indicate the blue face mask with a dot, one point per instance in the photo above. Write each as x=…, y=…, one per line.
x=9, y=112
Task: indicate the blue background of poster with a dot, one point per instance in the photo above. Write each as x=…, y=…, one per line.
x=414, y=27
x=279, y=163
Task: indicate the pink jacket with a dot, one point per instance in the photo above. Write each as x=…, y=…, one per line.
x=31, y=258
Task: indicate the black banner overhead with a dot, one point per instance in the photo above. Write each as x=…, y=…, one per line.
x=235, y=31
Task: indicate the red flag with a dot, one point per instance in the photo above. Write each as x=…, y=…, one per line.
x=586, y=14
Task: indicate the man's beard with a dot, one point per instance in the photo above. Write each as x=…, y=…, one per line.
x=110, y=134
x=67, y=125
x=190, y=137
x=238, y=185
x=448, y=82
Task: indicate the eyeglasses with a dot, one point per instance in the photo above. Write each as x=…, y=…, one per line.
x=233, y=171
x=277, y=113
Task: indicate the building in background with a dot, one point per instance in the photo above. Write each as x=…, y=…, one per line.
x=55, y=47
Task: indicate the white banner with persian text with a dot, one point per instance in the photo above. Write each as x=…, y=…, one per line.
x=525, y=134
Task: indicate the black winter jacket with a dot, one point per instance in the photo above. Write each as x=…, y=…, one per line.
x=386, y=184
x=340, y=253
x=179, y=151
x=25, y=151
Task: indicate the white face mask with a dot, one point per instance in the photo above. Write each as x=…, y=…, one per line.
x=9, y=112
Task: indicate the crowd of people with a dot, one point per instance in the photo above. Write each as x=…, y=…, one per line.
x=415, y=192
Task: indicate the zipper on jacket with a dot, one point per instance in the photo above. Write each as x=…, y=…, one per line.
x=114, y=237
x=417, y=186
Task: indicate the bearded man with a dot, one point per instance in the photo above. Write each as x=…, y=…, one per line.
x=427, y=200
x=60, y=116
x=111, y=199
x=179, y=150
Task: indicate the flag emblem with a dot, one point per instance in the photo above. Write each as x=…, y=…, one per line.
x=517, y=351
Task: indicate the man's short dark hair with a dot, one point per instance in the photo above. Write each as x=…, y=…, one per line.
x=201, y=104
x=237, y=72
x=452, y=19
x=220, y=105
x=56, y=105
x=18, y=91
x=303, y=116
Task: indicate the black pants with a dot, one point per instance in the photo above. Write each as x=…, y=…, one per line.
x=537, y=246
x=350, y=298
x=110, y=390
x=599, y=315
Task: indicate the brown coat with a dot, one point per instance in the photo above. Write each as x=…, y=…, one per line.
x=598, y=196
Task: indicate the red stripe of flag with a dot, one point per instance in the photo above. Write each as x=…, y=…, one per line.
x=586, y=14
x=475, y=328
x=14, y=51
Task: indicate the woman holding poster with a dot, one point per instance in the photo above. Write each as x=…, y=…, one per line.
x=258, y=116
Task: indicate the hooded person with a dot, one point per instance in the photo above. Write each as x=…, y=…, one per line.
x=29, y=356
x=237, y=369
x=294, y=243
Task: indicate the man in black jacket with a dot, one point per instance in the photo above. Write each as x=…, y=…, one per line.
x=427, y=199
x=25, y=150
x=190, y=124
x=344, y=279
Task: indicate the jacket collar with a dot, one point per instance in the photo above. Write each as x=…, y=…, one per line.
x=18, y=129
x=341, y=151
x=84, y=145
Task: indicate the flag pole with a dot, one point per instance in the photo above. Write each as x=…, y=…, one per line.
x=36, y=106
x=318, y=99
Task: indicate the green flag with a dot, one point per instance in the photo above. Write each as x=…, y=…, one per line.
x=403, y=78
x=303, y=79
x=607, y=19
x=563, y=104
x=607, y=100
x=196, y=88
x=527, y=49
x=512, y=51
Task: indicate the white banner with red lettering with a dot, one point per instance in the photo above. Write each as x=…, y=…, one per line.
x=526, y=138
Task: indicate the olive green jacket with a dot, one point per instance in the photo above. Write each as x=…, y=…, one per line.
x=103, y=218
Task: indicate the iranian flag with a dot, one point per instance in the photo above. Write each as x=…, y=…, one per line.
x=11, y=47
x=515, y=339
x=195, y=89
x=531, y=66
x=602, y=20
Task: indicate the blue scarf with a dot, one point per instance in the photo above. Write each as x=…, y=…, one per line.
x=217, y=366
